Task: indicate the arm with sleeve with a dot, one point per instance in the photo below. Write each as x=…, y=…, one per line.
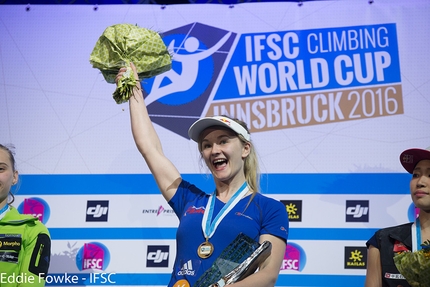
x=25, y=249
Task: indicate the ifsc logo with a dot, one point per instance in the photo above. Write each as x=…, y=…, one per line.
x=97, y=210
x=93, y=256
x=37, y=207
x=357, y=211
x=294, y=258
x=273, y=80
x=158, y=256
x=176, y=98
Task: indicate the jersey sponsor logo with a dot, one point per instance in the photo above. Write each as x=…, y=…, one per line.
x=355, y=257
x=294, y=209
x=243, y=215
x=195, y=210
x=36, y=207
x=294, y=258
x=187, y=269
x=97, y=210
x=9, y=256
x=10, y=242
x=158, y=256
x=357, y=211
x=394, y=276
x=93, y=256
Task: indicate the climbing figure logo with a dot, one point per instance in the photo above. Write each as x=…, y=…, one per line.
x=176, y=98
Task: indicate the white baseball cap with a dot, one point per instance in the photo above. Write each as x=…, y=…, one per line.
x=410, y=157
x=200, y=125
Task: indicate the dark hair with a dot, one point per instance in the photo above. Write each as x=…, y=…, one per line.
x=9, y=149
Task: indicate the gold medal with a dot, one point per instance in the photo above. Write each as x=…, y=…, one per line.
x=205, y=249
x=210, y=224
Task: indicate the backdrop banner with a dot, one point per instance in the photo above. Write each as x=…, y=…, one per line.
x=333, y=92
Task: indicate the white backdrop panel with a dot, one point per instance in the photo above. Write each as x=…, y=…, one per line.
x=75, y=151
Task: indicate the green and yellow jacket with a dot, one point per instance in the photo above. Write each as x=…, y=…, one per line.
x=25, y=250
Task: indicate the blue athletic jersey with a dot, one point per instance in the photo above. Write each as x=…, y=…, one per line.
x=264, y=215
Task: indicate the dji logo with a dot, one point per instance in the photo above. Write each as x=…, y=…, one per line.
x=97, y=210
x=357, y=211
x=158, y=256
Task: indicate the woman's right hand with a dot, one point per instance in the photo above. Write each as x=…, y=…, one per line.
x=124, y=70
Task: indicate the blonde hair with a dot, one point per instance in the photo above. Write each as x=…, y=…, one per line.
x=251, y=166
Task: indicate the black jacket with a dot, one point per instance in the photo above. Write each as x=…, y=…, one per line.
x=384, y=240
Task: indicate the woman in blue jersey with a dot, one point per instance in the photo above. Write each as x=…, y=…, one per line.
x=210, y=222
x=25, y=244
x=386, y=242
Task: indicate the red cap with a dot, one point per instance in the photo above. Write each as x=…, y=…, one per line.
x=410, y=157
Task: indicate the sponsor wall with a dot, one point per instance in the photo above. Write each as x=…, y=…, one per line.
x=333, y=91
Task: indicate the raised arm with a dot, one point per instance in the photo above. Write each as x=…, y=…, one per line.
x=148, y=143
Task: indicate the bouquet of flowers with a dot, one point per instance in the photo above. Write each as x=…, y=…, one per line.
x=124, y=43
x=415, y=266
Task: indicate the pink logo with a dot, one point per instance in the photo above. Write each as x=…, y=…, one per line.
x=291, y=259
x=160, y=210
x=93, y=257
x=34, y=207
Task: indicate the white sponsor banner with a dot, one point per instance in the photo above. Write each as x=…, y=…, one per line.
x=327, y=257
x=134, y=256
x=347, y=211
x=107, y=211
x=119, y=256
x=328, y=211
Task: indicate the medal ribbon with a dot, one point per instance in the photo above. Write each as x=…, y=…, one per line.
x=416, y=235
x=3, y=210
x=208, y=227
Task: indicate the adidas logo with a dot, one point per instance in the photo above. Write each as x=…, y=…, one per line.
x=187, y=269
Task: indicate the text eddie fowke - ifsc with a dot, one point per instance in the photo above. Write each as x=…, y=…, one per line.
x=66, y=278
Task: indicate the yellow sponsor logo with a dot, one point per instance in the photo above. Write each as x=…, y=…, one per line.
x=356, y=259
x=10, y=244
